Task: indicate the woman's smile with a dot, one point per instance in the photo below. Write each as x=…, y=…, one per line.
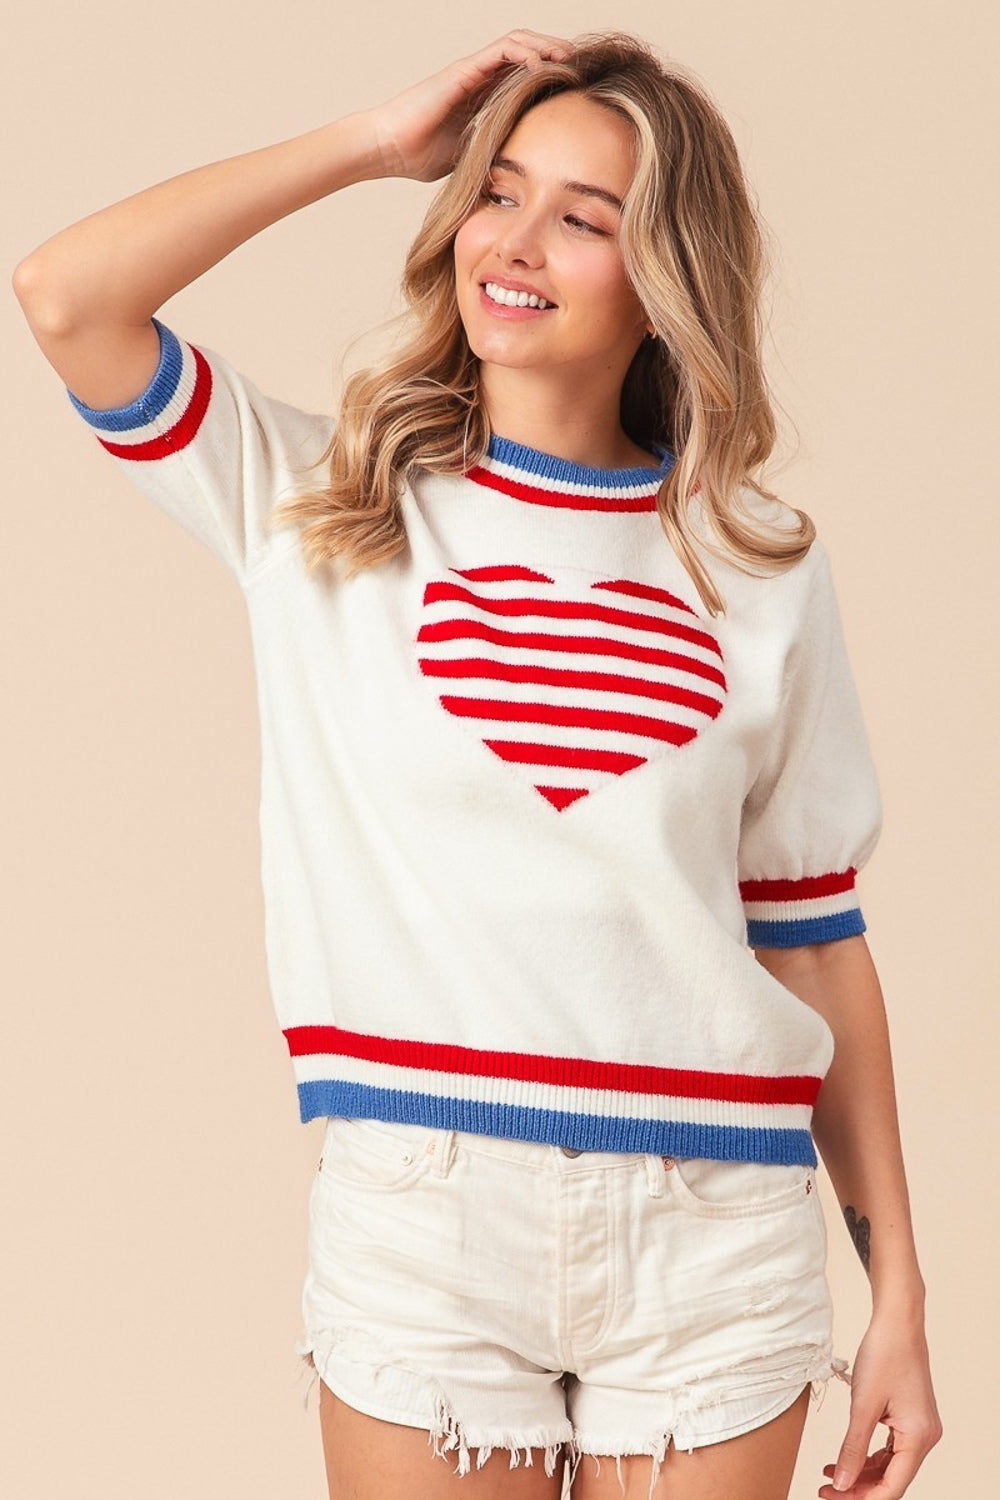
x=508, y=302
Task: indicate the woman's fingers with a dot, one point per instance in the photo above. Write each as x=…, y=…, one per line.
x=516, y=48
x=884, y=1477
x=871, y=1473
x=853, y=1455
x=887, y=1473
x=419, y=130
x=517, y=45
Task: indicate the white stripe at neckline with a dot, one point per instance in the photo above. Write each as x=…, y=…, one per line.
x=530, y=470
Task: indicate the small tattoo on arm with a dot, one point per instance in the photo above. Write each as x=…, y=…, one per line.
x=860, y=1231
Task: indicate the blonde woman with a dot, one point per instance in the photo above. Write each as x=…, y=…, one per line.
x=565, y=790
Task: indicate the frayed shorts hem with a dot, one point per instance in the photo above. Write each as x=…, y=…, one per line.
x=402, y=1400
x=701, y=1423
x=398, y=1401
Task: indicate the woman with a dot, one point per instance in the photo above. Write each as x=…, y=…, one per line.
x=565, y=789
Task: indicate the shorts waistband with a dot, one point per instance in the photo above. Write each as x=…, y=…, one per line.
x=444, y=1144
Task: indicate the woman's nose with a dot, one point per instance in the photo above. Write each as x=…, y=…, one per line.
x=522, y=240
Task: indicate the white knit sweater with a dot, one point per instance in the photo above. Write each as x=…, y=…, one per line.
x=524, y=802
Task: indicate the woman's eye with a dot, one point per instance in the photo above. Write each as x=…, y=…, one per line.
x=582, y=224
x=493, y=196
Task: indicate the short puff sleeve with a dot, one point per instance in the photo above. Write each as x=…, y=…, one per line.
x=209, y=449
x=814, y=813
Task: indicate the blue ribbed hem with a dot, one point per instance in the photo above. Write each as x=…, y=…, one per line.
x=546, y=465
x=155, y=398
x=796, y=934
x=330, y=1096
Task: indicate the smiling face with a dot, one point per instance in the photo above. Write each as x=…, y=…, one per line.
x=547, y=226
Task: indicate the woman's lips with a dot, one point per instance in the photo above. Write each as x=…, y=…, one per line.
x=500, y=310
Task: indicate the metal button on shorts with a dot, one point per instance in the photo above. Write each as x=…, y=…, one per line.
x=570, y=1151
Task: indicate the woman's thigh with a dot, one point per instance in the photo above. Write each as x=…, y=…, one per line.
x=368, y=1459
x=756, y=1466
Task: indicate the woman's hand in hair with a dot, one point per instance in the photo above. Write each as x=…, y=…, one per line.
x=418, y=131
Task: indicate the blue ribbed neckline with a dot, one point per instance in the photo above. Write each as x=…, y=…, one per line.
x=546, y=465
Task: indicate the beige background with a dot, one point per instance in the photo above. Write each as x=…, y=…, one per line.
x=154, y=1173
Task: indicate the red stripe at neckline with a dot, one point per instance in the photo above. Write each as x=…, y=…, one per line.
x=535, y=494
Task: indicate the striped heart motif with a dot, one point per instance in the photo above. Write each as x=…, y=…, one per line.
x=575, y=685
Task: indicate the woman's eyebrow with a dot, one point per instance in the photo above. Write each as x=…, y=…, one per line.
x=508, y=164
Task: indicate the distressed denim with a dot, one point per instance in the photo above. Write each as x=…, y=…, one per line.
x=508, y=1295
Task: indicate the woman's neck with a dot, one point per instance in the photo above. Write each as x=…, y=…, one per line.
x=582, y=427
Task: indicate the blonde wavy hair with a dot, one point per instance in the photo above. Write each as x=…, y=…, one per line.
x=693, y=249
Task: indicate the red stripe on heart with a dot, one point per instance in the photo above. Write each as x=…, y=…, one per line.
x=612, y=682
x=561, y=796
x=564, y=609
x=578, y=757
x=569, y=718
x=587, y=720
x=533, y=640
x=644, y=591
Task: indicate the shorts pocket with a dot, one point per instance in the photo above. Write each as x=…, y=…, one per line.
x=736, y=1190
x=372, y=1156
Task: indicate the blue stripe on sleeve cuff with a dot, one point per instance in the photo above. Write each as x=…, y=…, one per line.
x=154, y=399
x=795, y=934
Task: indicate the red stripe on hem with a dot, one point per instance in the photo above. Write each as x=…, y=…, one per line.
x=806, y=889
x=632, y=1078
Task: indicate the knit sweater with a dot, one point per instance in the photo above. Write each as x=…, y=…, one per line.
x=526, y=806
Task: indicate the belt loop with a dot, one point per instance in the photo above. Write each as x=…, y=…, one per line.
x=443, y=1145
x=654, y=1175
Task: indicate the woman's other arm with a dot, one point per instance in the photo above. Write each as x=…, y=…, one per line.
x=90, y=291
x=857, y=1132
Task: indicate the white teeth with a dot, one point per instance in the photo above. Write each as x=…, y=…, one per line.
x=508, y=298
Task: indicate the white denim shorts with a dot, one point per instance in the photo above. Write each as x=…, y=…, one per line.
x=507, y=1295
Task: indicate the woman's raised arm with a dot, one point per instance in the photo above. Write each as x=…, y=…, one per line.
x=90, y=291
